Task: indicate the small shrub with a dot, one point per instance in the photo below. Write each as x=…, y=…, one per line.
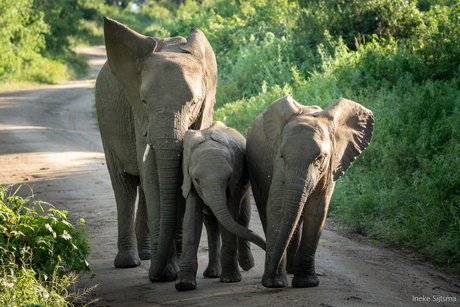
x=48, y=243
x=40, y=255
x=239, y=114
x=405, y=187
x=267, y=62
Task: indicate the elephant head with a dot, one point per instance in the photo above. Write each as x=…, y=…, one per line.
x=213, y=165
x=170, y=85
x=312, y=149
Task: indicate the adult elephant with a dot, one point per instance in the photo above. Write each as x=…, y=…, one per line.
x=148, y=93
x=295, y=155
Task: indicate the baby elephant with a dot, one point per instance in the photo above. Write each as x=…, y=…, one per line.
x=216, y=182
x=295, y=155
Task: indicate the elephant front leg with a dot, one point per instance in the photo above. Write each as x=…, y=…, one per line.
x=304, y=267
x=275, y=279
x=142, y=228
x=193, y=224
x=245, y=257
x=292, y=248
x=275, y=211
x=125, y=189
x=229, y=259
x=314, y=217
x=213, y=269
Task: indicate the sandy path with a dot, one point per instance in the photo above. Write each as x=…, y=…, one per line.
x=49, y=140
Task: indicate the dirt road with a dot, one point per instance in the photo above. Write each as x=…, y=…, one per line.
x=49, y=140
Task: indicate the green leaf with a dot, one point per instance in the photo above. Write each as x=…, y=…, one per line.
x=42, y=241
x=66, y=235
x=50, y=229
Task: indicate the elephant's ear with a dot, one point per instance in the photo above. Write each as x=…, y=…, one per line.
x=238, y=154
x=354, y=127
x=275, y=117
x=191, y=139
x=199, y=46
x=124, y=48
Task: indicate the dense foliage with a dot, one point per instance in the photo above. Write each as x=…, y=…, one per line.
x=401, y=59
x=37, y=37
x=38, y=252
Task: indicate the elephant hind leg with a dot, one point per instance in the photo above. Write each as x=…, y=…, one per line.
x=125, y=190
x=245, y=257
x=142, y=228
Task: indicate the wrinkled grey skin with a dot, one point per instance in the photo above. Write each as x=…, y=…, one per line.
x=295, y=155
x=150, y=91
x=216, y=181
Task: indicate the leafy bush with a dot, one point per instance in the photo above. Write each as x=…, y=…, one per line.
x=41, y=255
x=436, y=42
x=264, y=63
x=49, y=243
x=239, y=114
x=37, y=38
x=405, y=187
x=20, y=287
x=20, y=45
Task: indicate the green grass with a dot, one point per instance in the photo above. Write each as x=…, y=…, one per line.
x=67, y=67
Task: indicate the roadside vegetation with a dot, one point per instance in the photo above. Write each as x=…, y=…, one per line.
x=400, y=59
x=37, y=37
x=41, y=253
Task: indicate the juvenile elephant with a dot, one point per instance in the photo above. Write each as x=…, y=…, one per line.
x=216, y=182
x=148, y=93
x=295, y=155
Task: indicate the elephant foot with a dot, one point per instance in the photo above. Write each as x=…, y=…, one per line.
x=169, y=274
x=126, y=260
x=145, y=254
x=231, y=276
x=305, y=280
x=246, y=261
x=186, y=281
x=212, y=271
x=274, y=281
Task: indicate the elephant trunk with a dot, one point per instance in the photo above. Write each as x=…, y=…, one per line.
x=298, y=188
x=218, y=204
x=167, y=144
